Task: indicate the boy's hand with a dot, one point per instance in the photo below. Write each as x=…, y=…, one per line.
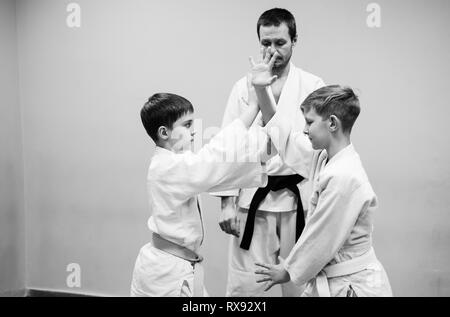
x=274, y=274
x=229, y=221
x=262, y=72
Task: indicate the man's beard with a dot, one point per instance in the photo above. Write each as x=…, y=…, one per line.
x=280, y=67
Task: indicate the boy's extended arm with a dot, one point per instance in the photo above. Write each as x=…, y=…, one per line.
x=327, y=229
x=325, y=232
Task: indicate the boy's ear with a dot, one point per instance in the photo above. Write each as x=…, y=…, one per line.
x=163, y=133
x=294, y=40
x=334, y=123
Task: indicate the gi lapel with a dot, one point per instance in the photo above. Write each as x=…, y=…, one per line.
x=197, y=198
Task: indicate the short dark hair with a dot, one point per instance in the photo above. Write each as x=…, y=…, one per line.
x=163, y=109
x=275, y=17
x=334, y=100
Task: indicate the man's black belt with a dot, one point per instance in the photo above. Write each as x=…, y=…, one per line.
x=275, y=183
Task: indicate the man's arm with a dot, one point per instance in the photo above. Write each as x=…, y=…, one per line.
x=261, y=74
x=210, y=170
x=228, y=221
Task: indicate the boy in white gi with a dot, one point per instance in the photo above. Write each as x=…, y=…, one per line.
x=264, y=221
x=170, y=264
x=334, y=254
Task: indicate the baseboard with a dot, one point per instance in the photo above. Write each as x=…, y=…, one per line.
x=37, y=292
x=15, y=293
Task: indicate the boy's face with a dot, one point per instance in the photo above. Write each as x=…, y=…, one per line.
x=317, y=129
x=277, y=38
x=182, y=133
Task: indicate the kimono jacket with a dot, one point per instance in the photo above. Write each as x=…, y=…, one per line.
x=339, y=222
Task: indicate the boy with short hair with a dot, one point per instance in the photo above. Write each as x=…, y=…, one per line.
x=170, y=265
x=334, y=254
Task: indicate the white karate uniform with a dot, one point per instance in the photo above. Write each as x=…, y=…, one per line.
x=339, y=221
x=174, y=182
x=275, y=221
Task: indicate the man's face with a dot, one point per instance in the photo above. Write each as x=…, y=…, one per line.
x=182, y=133
x=277, y=38
x=317, y=130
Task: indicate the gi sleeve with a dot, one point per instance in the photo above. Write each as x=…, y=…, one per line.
x=319, y=84
x=232, y=112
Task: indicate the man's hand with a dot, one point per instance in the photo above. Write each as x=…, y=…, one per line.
x=261, y=73
x=228, y=221
x=274, y=274
x=252, y=100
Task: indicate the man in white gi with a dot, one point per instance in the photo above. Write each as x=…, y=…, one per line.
x=334, y=254
x=170, y=264
x=271, y=226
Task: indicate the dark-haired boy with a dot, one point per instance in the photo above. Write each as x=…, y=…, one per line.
x=170, y=264
x=334, y=254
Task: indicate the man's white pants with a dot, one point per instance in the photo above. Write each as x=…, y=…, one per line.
x=273, y=236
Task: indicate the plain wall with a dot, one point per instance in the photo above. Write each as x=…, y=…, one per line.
x=86, y=153
x=12, y=214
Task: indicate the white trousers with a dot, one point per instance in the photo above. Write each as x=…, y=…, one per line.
x=160, y=274
x=273, y=236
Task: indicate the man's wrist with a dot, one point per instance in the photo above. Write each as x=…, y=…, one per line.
x=261, y=87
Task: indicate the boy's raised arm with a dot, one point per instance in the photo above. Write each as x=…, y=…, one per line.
x=292, y=146
x=248, y=116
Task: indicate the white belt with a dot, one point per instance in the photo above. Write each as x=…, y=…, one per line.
x=352, y=266
x=185, y=254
